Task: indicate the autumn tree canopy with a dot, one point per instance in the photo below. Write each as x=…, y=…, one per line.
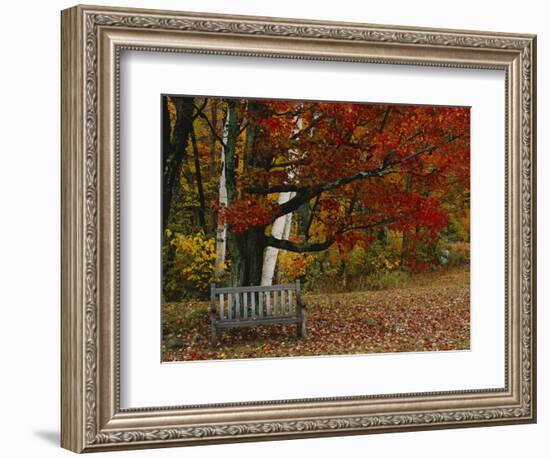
x=345, y=171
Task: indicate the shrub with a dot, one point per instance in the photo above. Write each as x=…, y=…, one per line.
x=195, y=262
x=384, y=279
x=364, y=266
x=291, y=266
x=459, y=254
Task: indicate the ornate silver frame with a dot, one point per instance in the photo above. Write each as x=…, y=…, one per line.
x=92, y=38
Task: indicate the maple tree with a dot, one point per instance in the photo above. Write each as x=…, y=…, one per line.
x=347, y=171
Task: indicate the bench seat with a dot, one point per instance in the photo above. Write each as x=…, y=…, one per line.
x=246, y=306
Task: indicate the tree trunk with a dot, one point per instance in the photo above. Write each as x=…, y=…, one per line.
x=227, y=187
x=200, y=188
x=288, y=226
x=406, y=240
x=213, y=142
x=280, y=229
x=221, y=229
x=174, y=144
x=173, y=149
x=247, y=255
x=303, y=215
x=245, y=249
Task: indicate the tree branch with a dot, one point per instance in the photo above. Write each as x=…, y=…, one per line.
x=311, y=125
x=297, y=247
x=244, y=125
x=311, y=216
x=385, y=119
x=199, y=109
x=320, y=246
x=304, y=193
x=428, y=149
x=289, y=164
x=212, y=128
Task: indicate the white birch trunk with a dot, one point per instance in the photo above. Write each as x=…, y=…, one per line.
x=221, y=230
x=288, y=222
x=280, y=230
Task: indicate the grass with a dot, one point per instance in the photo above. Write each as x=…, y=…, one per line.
x=428, y=312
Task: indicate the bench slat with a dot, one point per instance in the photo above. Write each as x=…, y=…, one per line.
x=245, y=305
x=240, y=289
x=290, y=305
x=258, y=322
x=221, y=307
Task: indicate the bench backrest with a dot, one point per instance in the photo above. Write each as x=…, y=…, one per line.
x=251, y=302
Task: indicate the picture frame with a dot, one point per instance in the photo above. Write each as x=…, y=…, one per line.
x=93, y=39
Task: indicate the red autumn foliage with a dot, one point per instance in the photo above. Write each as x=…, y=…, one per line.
x=248, y=212
x=412, y=158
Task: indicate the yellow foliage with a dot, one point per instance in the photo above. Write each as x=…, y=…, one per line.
x=292, y=265
x=172, y=113
x=196, y=260
x=388, y=258
x=461, y=222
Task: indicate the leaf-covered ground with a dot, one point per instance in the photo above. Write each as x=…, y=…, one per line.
x=431, y=313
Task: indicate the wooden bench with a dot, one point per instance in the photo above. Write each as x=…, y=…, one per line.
x=236, y=307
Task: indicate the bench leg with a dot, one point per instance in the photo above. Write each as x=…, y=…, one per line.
x=214, y=336
x=302, y=330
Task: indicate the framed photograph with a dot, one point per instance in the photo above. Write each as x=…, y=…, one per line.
x=278, y=228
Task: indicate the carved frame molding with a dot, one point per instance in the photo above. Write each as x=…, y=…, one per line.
x=92, y=39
